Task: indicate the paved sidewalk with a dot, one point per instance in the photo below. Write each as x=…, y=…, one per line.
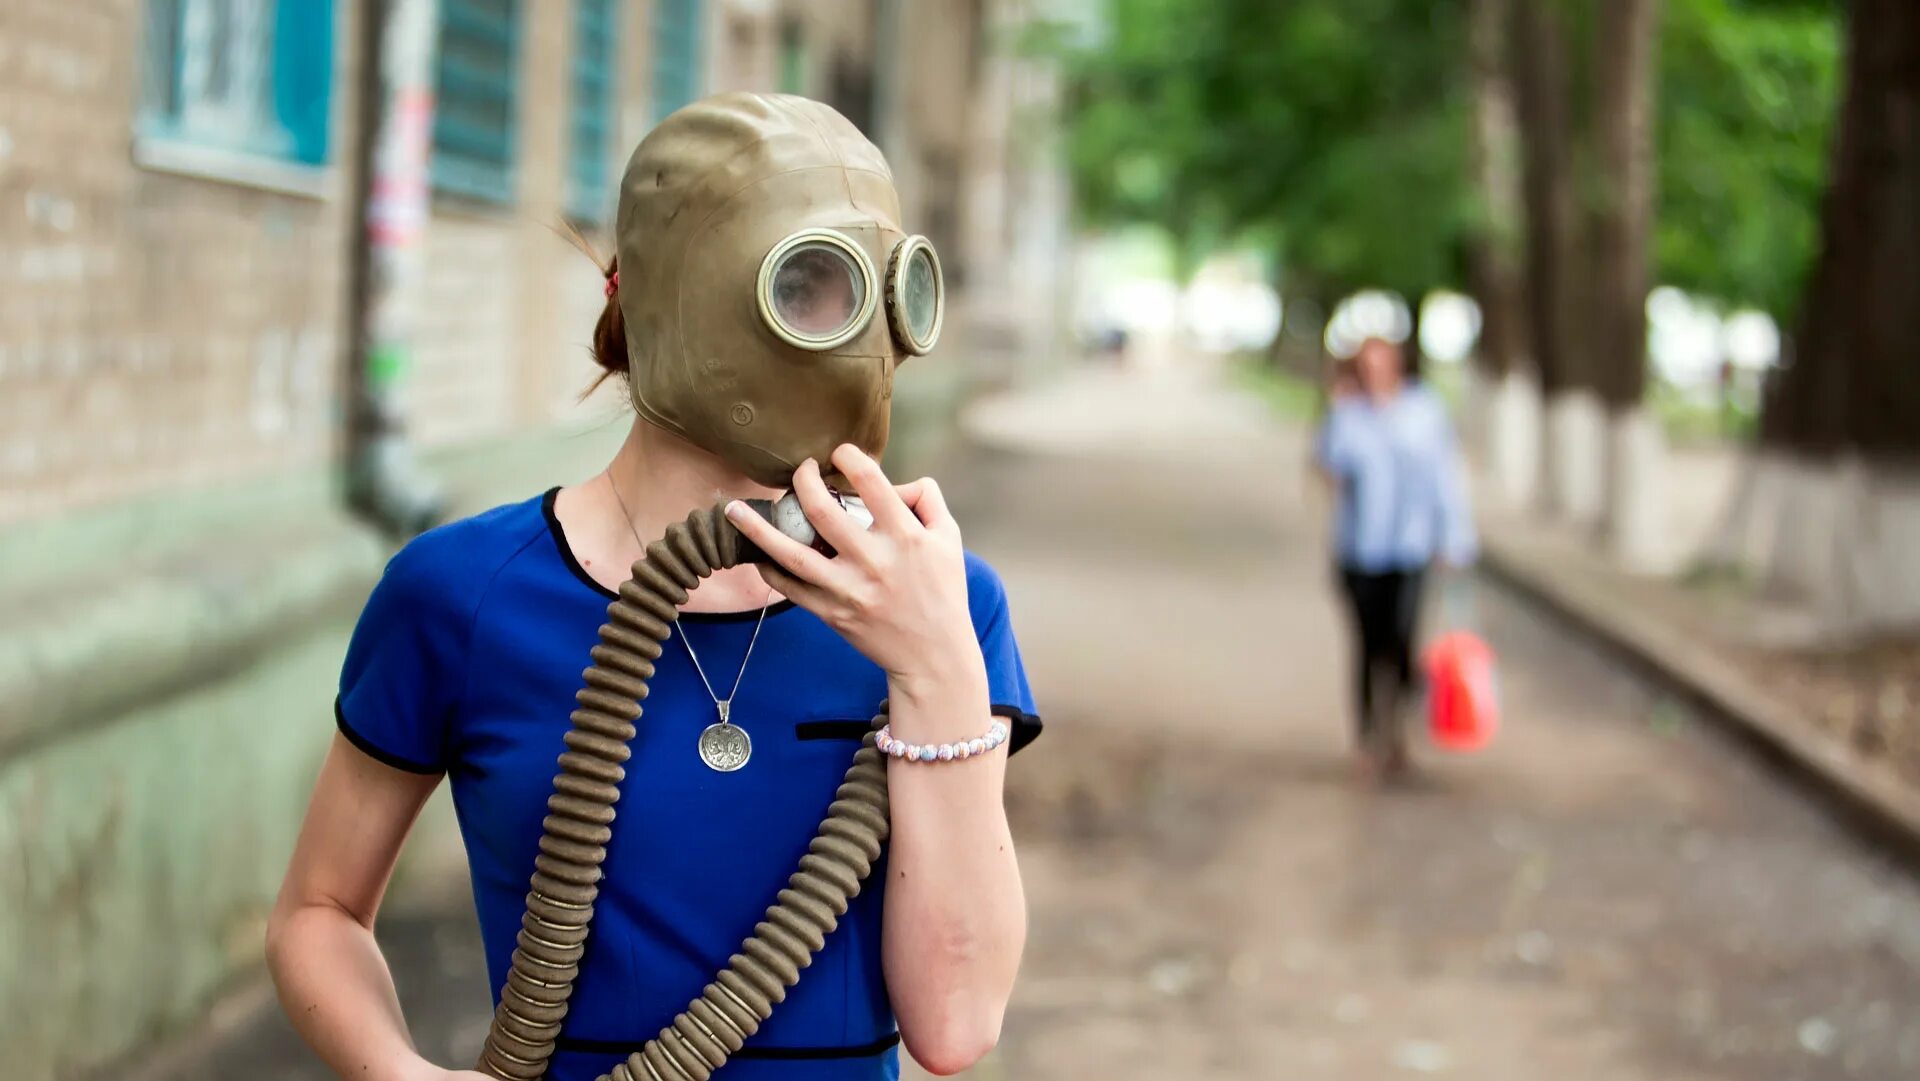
x=1714, y=644
x=1612, y=892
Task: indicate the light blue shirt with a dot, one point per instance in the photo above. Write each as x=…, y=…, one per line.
x=1403, y=499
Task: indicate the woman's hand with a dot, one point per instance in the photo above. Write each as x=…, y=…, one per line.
x=897, y=592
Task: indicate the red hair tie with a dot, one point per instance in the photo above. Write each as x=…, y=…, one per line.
x=613, y=282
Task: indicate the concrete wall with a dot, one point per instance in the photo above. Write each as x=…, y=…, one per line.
x=158, y=739
x=176, y=576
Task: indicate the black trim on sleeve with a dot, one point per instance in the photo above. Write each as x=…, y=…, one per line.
x=627, y=1047
x=378, y=754
x=1026, y=726
x=831, y=729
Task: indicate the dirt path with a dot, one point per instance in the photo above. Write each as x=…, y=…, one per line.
x=1611, y=892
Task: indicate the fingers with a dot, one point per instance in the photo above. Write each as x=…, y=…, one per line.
x=826, y=514
x=927, y=502
x=909, y=492
x=795, y=558
x=873, y=487
x=805, y=594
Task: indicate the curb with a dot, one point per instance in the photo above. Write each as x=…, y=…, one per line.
x=1867, y=792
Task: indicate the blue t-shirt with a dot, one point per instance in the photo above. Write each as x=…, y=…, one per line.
x=466, y=660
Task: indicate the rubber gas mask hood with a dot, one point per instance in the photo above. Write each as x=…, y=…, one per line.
x=760, y=243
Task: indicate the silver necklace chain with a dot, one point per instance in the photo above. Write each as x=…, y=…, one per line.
x=722, y=706
x=725, y=705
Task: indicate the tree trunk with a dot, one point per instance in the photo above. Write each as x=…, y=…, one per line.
x=1857, y=336
x=1414, y=356
x=1841, y=432
x=1505, y=408
x=1539, y=51
x=1621, y=225
x=1493, y=258
x=1625, y=43
x=1573, y=447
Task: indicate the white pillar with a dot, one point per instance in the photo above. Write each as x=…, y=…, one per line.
x=1577, y=442
x=1636, y=492
x=1513, y=436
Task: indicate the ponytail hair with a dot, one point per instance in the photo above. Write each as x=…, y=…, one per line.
x=610, y=330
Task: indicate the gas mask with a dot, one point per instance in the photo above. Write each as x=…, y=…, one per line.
x=768, y=289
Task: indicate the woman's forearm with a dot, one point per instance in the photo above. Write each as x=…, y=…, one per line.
x=337, y=990
x=955, y=919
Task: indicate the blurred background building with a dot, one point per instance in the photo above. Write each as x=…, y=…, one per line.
x=177, y=302
x=177, y=298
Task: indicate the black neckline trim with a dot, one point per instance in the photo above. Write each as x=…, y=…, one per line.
x=559, y=535
x=622, y=1047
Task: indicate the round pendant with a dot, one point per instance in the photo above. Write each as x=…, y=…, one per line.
x=725, y=747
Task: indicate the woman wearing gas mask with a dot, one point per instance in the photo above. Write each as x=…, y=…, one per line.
x=762, y=295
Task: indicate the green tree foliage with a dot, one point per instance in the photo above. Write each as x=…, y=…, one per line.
x=1749, y=91
x=1335, y=132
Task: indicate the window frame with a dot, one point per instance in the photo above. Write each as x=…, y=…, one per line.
x=684, y=80
x=588, y=199
x=292, y=149
x=479, y=173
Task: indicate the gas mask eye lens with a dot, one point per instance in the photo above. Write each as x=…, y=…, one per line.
x=815, y=289
x=916, y=295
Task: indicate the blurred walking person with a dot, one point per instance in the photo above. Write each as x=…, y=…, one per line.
x=1389, y=452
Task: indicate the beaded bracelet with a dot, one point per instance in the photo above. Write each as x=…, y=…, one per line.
x=941, y=752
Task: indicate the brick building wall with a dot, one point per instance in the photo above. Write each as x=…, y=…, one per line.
x=167, y=325
x=156, y=329
x=172, y=320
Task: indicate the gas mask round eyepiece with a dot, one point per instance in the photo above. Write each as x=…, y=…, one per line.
x=816, y=289
x=916, y=295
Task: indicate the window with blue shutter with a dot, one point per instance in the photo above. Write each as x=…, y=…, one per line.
x=590, y=123
x=476, y=83
x=239, y=80
x=678, y=54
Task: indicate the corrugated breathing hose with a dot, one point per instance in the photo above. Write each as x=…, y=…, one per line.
x=553, y=933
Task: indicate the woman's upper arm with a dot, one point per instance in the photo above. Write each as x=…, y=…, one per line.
x=356, y=822
x=395, y=712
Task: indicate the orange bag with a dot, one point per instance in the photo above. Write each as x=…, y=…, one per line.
x=1463, y=704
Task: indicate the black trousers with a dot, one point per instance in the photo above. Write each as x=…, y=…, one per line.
x=1386, y=611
